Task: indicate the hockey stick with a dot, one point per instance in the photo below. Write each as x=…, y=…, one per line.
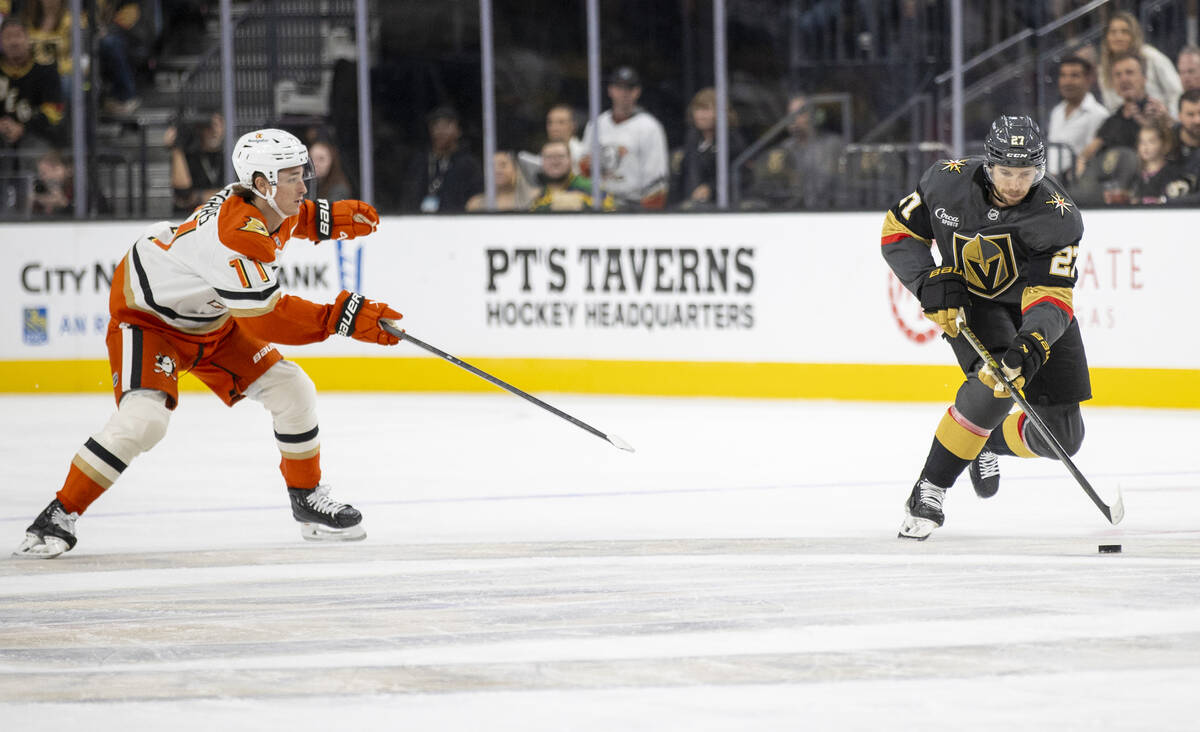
x=615, y=441
x=1113, y=513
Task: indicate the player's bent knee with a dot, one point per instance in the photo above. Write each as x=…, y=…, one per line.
x=1066, y=424
x=139, y=424
x=288, y=394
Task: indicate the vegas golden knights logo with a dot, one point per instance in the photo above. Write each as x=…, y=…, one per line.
x=987, y=263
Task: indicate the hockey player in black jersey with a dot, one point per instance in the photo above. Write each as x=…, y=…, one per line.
x=1007, y=237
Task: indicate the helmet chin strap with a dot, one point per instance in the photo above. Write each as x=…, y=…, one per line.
x=271, y=201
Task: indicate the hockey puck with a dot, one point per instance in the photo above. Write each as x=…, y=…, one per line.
x=1110, y=548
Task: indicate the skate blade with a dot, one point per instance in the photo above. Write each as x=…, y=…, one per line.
x=35, y=547
x=916, y=528
x=321, y=532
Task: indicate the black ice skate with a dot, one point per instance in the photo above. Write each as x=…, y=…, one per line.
x=324, y=519
x=50, y=534
x=922, y=511
x=985, y=473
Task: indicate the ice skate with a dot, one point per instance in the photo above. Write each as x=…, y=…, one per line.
x=922, y=511
x=324, y=519
x=52, y=533
x=985, y=473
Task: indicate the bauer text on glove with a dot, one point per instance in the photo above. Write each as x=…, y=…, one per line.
x=942, y=293
x=1020, y=362
x=345, y=219
x=357, y=317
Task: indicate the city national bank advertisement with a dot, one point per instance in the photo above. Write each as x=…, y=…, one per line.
x=798, y=305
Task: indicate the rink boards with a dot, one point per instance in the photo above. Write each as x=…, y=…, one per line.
x=762, y=305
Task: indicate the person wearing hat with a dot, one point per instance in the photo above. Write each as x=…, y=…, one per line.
x=633, y=147
x=445, y=176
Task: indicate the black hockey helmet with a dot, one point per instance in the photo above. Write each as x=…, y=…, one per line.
x=1016, y=142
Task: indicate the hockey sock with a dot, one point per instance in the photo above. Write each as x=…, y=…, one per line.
x=1013, y=432
x=956, y=442
x=78, y=491
x=1017, y=438
x=301, y=472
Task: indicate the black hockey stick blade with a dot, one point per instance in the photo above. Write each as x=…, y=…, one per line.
x=1113, y=512
x=403, y=335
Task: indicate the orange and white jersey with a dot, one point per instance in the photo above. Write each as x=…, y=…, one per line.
x=216, y=265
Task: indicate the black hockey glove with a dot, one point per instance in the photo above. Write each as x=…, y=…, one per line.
x=943, y=292
x=1020, y=362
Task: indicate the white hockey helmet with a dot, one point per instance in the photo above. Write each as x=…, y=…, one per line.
x=268, y=152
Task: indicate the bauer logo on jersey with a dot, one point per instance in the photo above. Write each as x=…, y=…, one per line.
x=987, y=262
x=255, y=226
x=37, y=327
x=164, y=364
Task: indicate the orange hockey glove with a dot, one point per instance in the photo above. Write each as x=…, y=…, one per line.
x=345, y=219
x=357, y=317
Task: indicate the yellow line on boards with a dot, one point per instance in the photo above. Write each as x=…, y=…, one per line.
x=1166, y=388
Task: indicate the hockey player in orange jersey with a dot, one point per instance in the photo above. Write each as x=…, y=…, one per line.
x=204, y=297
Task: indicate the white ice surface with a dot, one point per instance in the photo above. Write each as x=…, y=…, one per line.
x=740, y=571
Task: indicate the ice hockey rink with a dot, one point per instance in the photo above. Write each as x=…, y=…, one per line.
x=740, y=571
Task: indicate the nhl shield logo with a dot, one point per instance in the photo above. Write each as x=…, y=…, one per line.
x=987, y=263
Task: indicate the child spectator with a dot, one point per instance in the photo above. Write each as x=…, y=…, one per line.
x=1158, y=179
x=52, y=190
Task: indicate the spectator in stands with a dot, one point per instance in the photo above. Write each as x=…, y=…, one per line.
x=1121, y=129
x=444, y=177
x=1075, y=120
x=53, y=189
x=1189, y=67
x=1159, y=179
x=563, y=190
x=1123, y=35
x=509, y=196
x=331, y=182
x=31, y=109
x=633, y=147
x=126, y=37
x=197, y=161
x=801, y=171
x=694, y=165
x=1186, y=143
x=561, y=127
x=49, y=24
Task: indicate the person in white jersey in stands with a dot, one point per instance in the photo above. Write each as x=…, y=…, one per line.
x=633, y=148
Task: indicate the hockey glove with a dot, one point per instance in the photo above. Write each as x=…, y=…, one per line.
x=1020, y=362
x=942, y=293
x=357, y=317
x=345, y=219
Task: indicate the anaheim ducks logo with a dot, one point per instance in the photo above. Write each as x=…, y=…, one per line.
x=255, y=226
x=987, y=263
x=164, y=365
